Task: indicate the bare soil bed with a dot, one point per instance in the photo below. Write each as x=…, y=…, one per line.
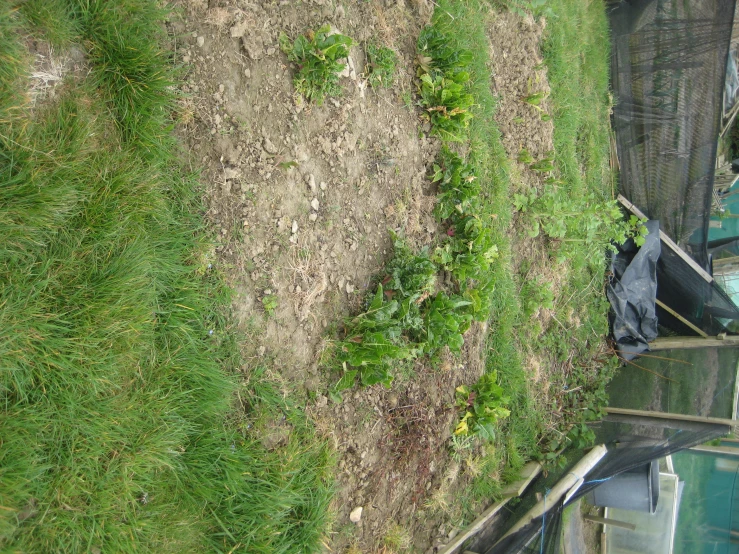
x=302, y=197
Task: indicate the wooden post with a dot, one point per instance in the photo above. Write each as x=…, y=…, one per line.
x=681, y=318
x=564, y=486
x=665, y=416
x=668, y=241
x=528, y=473
x=609, y=521
x=668, y=343
x=724, y=261
x=720, y=450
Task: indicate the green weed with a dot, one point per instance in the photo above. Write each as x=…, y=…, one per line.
x=269, y=303
x=593, y=223
x=380, y=69
x=317, y=56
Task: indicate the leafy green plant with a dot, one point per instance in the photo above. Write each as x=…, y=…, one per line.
x=269, y=303
x=483, y=405
x=406, y=319
x=525, y=157
x=446, y=323
x=468, y=248
x=380, y=69
x=439, y=54
x=390, y=329
x=317, y=56
x=447, y=104
x=583, y=219
x=443, y=76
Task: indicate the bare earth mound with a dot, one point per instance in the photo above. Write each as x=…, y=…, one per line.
x=302, y=197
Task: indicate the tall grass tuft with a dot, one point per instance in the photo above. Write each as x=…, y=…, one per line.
x=117, y=380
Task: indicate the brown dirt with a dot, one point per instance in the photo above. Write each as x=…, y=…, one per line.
x=362, y=161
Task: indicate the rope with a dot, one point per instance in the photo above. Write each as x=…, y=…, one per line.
x=544, y=520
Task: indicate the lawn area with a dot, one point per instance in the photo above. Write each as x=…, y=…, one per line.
x=571, y=347
x=137, y=412
x=119, y=367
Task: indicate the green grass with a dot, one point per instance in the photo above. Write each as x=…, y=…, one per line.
x=577, y=55
x=578, y=72
x=119, y=367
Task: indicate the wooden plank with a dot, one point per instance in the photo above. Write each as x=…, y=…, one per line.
x=476, y=526
x=564, y=486
x=668, y=241
x=668, y=416
x=528, y=473
x=668, y=343
x=721, y=450
x=724, y=261
x=681, y=318
x=609, y=521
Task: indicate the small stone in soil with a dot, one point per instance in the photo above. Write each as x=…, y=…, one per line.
x=356, y=515
x=269, y=146
x=201, y=41
x=313, y=216
x=311, y=180
x=315, y=204
x=294, y=228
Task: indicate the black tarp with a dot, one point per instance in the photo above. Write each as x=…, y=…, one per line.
x=632, y=290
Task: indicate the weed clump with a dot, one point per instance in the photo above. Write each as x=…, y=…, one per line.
x=317, y=55
x=380, y=69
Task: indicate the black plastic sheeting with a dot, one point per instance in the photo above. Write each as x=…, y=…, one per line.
x=632, y=292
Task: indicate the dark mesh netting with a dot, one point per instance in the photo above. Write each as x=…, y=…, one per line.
x=668, y=70
x=632, y=443
x=698, y=381
x=681, y=288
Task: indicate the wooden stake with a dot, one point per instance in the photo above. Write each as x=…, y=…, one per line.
x=528, y=473
x=564, y=486
x=668, y=241
x=681, y=318
x=721, y=450
x=608, y=521
x=669, y=343
x=665, y=416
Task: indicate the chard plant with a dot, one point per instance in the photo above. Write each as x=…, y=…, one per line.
x=317, y=55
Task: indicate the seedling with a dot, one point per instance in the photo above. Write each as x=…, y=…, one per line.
x=545, y=165
x=536, y=99
x=525, y=157
x=269, y=302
